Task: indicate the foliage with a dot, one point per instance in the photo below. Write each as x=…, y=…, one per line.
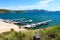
x=12, y=35
x=4, y=10
x=51, y=33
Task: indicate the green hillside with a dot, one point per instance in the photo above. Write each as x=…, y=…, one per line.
x=4, y=10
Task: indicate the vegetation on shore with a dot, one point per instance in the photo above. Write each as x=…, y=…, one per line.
x=51, y=33
x=5, y=10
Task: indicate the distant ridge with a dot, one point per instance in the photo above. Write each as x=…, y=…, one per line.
x=6, y=10
x=34, y=10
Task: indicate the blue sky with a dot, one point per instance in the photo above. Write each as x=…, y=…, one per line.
x=53, y=5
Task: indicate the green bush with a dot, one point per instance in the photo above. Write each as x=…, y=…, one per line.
x=12, y=35
x=51, y=33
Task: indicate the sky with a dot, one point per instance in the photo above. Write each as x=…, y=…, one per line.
x=52, y=5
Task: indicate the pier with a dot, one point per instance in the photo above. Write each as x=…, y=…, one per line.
x=36, y=24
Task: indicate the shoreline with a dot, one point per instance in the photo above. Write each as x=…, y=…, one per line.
x=4, y=27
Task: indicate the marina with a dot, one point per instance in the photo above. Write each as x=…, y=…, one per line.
x=32, y=25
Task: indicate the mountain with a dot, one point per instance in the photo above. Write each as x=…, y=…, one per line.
x=18, y=11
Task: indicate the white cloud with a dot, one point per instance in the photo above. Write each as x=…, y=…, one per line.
x=39, y=5
x=43, y=2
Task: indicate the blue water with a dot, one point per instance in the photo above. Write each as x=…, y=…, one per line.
x=35, y=16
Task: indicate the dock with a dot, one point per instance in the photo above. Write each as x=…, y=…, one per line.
x=36, y=24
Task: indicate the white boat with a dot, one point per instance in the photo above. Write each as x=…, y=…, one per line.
x=29, y=21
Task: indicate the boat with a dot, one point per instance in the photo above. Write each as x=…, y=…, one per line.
x=18, y=21
x=29, y=21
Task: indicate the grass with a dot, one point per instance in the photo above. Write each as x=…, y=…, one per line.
x=50, y=33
